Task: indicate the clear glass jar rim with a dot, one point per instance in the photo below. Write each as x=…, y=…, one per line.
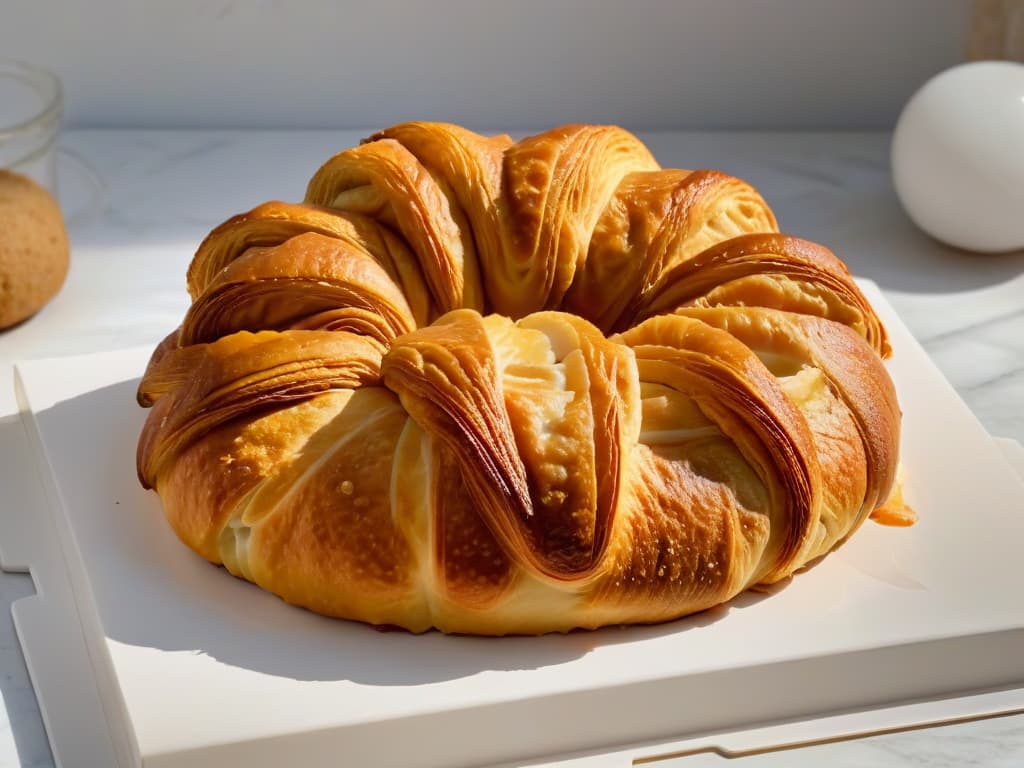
x=49, y=87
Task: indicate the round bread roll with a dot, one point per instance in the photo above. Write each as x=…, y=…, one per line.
x=34, y=249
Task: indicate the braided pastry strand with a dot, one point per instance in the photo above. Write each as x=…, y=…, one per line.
x=500, y=387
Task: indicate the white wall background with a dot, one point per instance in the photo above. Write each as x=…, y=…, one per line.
x=511, y=64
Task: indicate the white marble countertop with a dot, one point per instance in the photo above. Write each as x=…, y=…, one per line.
x=163, y=191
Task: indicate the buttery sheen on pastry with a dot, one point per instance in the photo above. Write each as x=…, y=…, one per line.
x=505, y=387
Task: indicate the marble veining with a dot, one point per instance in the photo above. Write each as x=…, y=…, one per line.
x=163, y=190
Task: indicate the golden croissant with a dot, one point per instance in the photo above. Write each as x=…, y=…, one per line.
x=503, y=387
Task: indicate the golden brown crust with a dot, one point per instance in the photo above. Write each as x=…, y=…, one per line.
x=743, y=399
x=469, y=166
x=765, y=270
x=655, y=222
x=557, y=185
x=854, y=376
x=199, y=387
x=337, y=421
x=309, y=282
x=274, y=223
x=34, y=248
x=384, y=180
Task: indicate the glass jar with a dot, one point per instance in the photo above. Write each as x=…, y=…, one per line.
x=31, y=104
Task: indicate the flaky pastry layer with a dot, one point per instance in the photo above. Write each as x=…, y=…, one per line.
x=503, y=387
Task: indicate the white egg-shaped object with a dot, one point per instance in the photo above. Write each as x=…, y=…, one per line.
x=958, y=156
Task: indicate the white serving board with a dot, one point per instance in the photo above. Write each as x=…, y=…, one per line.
x=194, y=668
